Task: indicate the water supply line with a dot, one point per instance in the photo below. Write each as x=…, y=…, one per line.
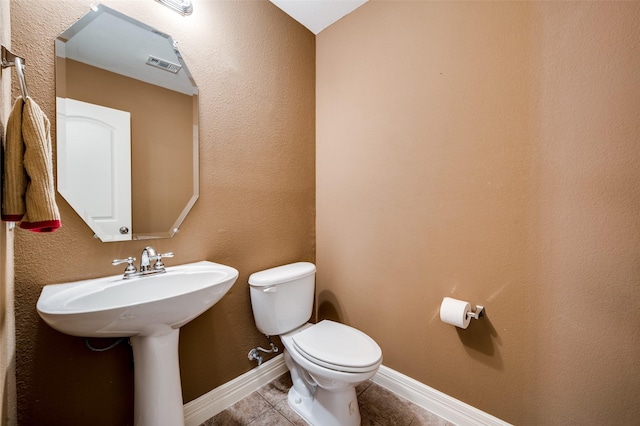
x=254, y=354
x=104, y=349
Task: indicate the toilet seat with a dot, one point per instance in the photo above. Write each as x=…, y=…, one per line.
x=338, y=347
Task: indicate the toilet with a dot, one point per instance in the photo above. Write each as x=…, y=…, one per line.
x=326, y=360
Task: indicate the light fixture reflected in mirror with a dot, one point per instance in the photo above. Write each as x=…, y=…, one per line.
x=183, y=7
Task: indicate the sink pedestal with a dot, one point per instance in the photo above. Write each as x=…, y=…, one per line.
x=157, y=388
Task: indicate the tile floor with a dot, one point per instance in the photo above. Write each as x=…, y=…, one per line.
x=268, y=407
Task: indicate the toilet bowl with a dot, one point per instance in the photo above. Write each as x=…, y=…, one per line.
x=326, y=360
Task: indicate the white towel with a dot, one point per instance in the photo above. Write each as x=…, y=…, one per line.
x=28, y=184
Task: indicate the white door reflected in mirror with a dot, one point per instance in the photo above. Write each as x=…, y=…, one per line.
x=94, y=166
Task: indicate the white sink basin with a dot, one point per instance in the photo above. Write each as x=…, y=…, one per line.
x=150, y=311
x=153, y=304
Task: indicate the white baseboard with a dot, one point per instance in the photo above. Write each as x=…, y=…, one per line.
x=440, y=404
x=224, y=396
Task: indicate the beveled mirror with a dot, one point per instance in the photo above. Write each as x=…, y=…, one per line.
x=127, y=127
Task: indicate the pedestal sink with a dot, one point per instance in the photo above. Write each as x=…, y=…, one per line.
x=150, y=310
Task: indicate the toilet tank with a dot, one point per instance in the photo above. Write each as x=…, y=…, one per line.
x=282, y=297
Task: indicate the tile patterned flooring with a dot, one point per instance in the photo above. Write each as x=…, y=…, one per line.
x=268, y=407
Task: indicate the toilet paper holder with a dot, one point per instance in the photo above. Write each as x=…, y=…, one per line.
x=479, y=313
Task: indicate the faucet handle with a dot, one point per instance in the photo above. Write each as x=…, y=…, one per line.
x=130, y=269
x=159, y=265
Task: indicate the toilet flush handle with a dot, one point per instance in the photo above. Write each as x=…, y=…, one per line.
x=271, y=289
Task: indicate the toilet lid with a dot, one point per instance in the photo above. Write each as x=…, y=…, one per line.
x=338, y=347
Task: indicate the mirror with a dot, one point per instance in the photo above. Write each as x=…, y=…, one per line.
x=127, y=127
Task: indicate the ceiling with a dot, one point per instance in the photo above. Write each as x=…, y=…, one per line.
x=317, y=15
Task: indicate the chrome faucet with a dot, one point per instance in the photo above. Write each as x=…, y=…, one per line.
x=148, y=255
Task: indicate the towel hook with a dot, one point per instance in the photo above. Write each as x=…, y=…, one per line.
x=9, y=59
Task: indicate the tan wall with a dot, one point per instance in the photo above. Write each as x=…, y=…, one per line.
x=488, y=151
x=256, y=70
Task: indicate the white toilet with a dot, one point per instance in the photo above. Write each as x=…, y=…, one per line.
x=326, y=360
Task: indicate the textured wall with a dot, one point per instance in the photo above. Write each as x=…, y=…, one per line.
x=488, y=151
x=256, y=70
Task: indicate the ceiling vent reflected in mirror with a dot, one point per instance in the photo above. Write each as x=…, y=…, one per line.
x=163, y=65
x=183, y=7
